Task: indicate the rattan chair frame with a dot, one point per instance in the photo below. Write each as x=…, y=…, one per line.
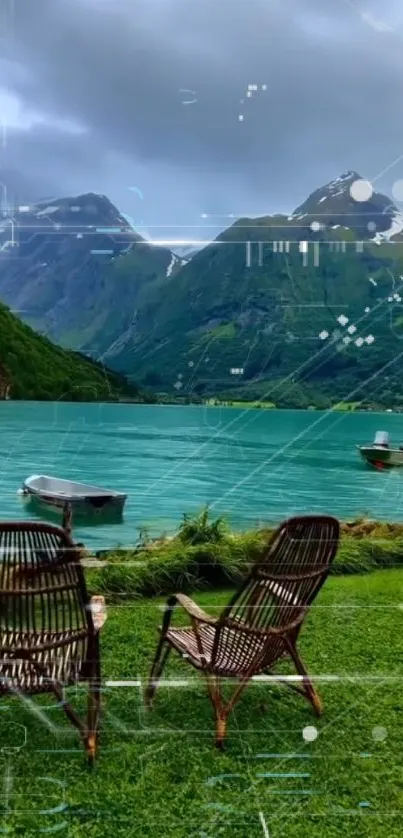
x=48, y=613
x=261, y=623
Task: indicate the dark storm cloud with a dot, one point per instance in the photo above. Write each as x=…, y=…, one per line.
x=333, y=73
x=75, y=150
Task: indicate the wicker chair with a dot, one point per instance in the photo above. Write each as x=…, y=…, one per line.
x=261, y=623
x=49, y=628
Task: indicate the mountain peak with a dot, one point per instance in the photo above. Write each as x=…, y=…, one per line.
x=90, y=208
x=348, y=201
x=351, y=174
x=69, y=229
x=340, y=185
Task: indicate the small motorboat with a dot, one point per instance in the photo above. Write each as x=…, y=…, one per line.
x=380, y=455
x=85, y=501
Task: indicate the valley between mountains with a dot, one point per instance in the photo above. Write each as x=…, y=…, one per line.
x=299, y=310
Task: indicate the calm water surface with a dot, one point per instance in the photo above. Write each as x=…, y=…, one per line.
x=252, y=465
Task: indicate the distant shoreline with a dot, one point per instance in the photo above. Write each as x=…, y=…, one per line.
x=310, y=408
x=236, y=405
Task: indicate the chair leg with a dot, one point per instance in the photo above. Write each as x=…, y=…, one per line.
x=94, y=706
x=311, y=694
x=308, y=687
x=68, y=709
x=89, y=731
x=316, y=703
x=220, y=729
x=161, y=656
x=85, y=730
x=93, y=713
x=221, y=710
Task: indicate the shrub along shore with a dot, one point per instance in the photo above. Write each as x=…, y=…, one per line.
x=204, y=554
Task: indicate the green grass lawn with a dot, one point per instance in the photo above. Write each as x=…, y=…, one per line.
x=256, y=404
x=346, y=406
x=158, y=773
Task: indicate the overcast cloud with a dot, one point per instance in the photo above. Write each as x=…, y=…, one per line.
x=90, y=99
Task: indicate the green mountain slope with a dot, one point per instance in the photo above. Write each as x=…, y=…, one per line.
x=270, y=321
x=301, y=308
x=254, y=302
x=31, y=367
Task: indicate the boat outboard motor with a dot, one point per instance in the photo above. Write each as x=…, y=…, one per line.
x=381, y=440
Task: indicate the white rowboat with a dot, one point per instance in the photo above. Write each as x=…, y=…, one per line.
x=83, y=499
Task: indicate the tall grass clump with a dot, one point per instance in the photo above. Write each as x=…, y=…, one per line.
x=206, y=554
x=199, y=529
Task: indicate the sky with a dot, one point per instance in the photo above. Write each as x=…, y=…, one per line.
x=90, y=100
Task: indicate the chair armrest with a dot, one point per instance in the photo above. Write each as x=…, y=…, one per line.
x=98, y=609
x=194, y=610
x=189, y=606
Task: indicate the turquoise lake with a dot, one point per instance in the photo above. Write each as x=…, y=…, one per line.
x=252, y=465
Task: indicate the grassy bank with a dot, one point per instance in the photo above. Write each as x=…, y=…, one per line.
x=158, y=773
x=206, y=554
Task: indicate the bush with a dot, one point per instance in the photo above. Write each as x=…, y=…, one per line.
x=206, y=554
x=200, y=530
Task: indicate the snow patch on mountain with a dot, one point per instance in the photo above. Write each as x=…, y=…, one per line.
x=339, y=185
x=176, y=260
x=395, y=228
x=171, y=265
x=47, y=211
x=343, y=179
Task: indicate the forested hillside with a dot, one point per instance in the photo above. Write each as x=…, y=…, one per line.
x=31, y=367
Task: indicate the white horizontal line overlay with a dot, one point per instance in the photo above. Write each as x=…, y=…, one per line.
x=186, y=682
